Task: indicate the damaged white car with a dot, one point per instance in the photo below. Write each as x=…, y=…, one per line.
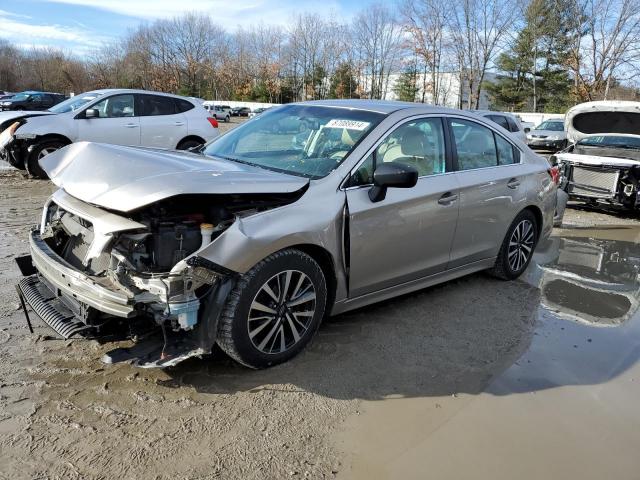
x=307, y=210
x=602, y=165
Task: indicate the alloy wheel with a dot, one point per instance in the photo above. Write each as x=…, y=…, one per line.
x=521, y=245
x=46, y=151
x=281, y=312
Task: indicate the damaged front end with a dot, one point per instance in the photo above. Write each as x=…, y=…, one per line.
x=600, y=179
x=97, y=273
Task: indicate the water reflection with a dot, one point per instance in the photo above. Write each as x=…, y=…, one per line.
x=590, y=280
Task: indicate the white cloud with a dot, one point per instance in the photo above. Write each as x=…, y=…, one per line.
x=39, y=35
x=227, y=13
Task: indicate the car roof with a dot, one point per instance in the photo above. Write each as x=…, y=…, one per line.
x=137, y=90
x=379, y=106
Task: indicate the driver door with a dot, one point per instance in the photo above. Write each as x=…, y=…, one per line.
x=118, y=122
x=409, y=234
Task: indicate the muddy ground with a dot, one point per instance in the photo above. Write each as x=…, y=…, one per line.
x=366, y=400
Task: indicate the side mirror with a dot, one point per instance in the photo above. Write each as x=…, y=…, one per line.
x=91, y=113
x=527, y=130
x=395, y=175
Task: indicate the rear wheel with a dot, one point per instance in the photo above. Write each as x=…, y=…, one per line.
x=517, y=247
x=38, y=152
x=274, y=310
x=189, y=143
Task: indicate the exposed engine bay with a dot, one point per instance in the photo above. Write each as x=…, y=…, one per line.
x=146, y=263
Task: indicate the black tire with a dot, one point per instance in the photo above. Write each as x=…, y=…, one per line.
x=508, y=267
x=226, y=119
x=257, y=349
x=38, y=151
x=189, y=143
x=15, y=162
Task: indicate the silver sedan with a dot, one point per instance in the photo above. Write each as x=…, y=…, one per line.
x=305, y=211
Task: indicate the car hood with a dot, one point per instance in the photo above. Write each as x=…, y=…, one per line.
x=16, y=114
x=603, y=117
x=546, y=133
x=126, y=178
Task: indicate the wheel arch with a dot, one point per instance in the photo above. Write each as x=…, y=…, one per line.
x=325, y=261
x=50, y=136
x=537, y=213
x=191, y=137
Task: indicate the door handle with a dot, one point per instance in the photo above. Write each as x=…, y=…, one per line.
x=448, y=198
x=513, y=183
x=178, y=124
x=130, y=125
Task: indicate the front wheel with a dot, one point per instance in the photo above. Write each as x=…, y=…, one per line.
x=517, y=247
x=274, y=310
x=38, y=152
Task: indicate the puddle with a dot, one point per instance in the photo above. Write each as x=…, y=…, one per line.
x=565, y=408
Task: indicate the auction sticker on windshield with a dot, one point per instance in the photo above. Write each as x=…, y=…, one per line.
x=348, y=124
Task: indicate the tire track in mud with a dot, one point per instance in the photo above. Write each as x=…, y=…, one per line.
x=63, y=414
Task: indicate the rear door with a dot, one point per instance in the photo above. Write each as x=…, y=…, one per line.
x=492, y=190
x=407, y=235
x=117, y=123
x=161, y=125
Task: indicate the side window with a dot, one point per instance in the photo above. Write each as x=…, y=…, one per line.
x=183, y=106
x=475, y=145
x=419, y=143
x=500, y=120
x=116, y=106
x=513, y=126
x=506, y=152
x=154, y=105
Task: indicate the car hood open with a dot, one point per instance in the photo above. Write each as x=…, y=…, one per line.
x=603, y=117
x=126, y=178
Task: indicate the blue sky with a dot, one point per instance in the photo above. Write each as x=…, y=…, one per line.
x=82, y=25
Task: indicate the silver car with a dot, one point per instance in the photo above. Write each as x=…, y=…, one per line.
x=308, y=210
x=549, y=135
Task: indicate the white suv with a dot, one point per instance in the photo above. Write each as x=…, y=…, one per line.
x=117, y=116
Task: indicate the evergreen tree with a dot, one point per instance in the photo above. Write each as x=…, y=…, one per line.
x=535, y=74
x=406, y=88
x=343, y=82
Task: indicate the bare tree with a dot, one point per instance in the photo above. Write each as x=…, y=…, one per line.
x=478, y=28
x=611, y=47
x=378, y=40
x=425, y=21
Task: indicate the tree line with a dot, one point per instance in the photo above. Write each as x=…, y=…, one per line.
x=547, y=54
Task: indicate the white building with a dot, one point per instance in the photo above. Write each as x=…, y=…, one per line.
x=449, y=91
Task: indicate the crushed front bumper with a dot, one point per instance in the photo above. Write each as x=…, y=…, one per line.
x=70, y=282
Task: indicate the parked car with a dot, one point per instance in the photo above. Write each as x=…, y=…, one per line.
x=508, y=121
x=5, y=95
x=222, y=113
x=251, y=242
x=31, y=101
x=602, y=164
x=240, y=112
x=549, y=135
x=258, y=111
x=118, y=116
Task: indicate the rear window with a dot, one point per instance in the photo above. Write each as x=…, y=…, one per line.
x=500, y=120
x=608, y=122
x=157, y=105
x=183, y=106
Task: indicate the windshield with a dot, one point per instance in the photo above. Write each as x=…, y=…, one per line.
x=309, y=141
x=611, y=141
x=74, y=103
x=553, y=126
x=21, y=96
